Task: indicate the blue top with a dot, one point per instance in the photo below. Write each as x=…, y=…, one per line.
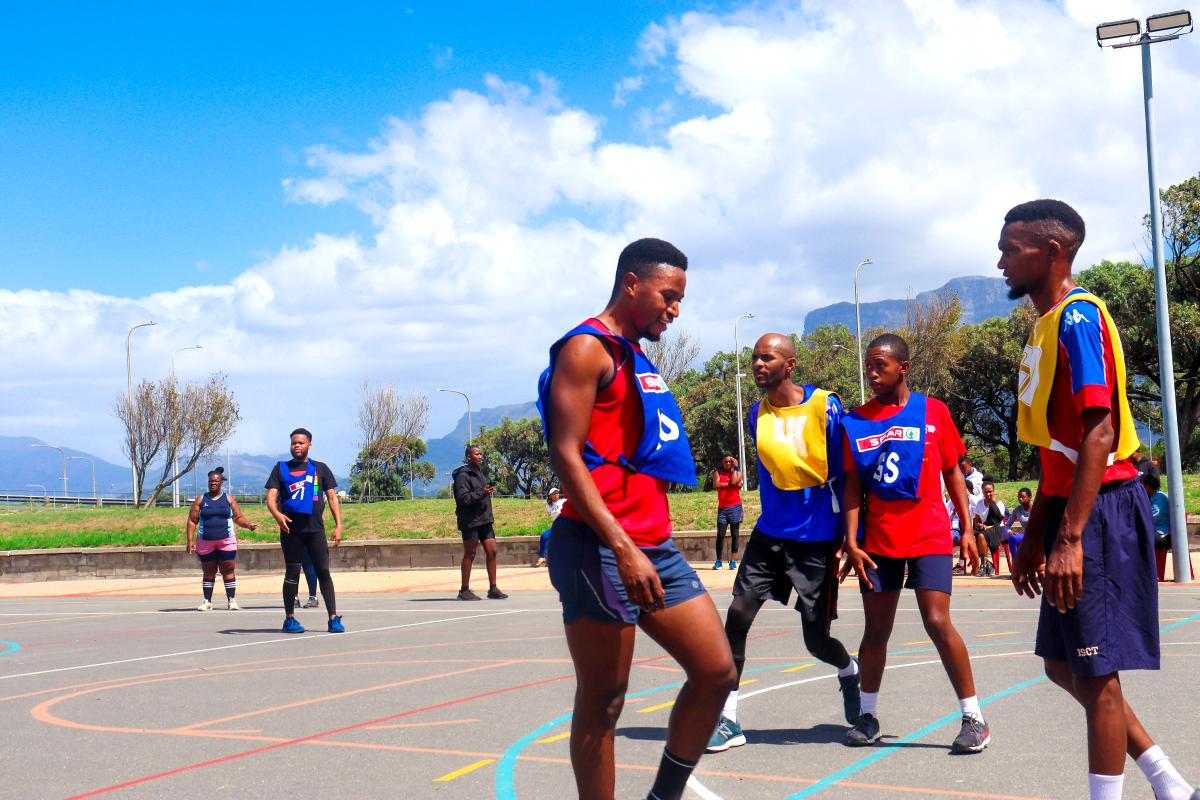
x=803, y=515
x=216, y=517
x=1160, y=509
x=888, y=453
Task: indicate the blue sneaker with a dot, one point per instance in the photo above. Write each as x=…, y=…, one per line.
x=717, y=564
x=851, y=696
x=335, y=624
x=292, y=625
x=728, y=734
x=732, y=564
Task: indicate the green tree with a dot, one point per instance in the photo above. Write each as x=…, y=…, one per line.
x=517, y=457
x=389, y=467
x=707, y=399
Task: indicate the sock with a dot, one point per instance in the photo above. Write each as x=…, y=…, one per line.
x=730, y=710
x=870, y=703
x=230, y=589
x=1167, y=782
x=673, y=773
x=849, y=669
x=207, y=586
x=970, y=707
x=1105, y=787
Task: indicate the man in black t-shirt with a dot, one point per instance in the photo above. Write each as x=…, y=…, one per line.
x=297, y=501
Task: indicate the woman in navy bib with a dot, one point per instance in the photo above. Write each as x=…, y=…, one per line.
x=210, y=535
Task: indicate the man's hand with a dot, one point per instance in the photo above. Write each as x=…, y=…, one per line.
x=489, y=490
x=1029, y=568
x=283, y=523
x=642, y=584
x=858, y=561
x=337, y=534
x=1064, y=574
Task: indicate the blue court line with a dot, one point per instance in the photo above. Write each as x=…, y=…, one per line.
x=12, y=648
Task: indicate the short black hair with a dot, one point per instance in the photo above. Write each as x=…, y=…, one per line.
x=965, y=459
x=1053, y=219
x=219, y=472
x=644, y=255
x=890, y=341
x=467, y=450
x=1151, y=480
x=988, y=483
x=303, y=432
x=1024, y=490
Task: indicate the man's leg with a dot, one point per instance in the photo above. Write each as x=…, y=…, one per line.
x=318, y=551
x=691, y=634
x=722, y=526
x=879, y=611
x=489, y=553
x=470, y=547
x=734, y=529
x=935, y=614
x=310, y=575
x=293, y=556
x=742, y=611
x=602, y=653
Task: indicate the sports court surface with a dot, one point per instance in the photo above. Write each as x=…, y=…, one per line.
x=130, y=692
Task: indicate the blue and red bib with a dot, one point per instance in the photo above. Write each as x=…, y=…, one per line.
x=888, y=453
x=300, y=491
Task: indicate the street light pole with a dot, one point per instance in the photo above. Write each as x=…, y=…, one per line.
x=132, y=408
x=62, y=452
x=93, y=463
x=862, y=380
x=737, y=384
x=470, y=428
x=45, y=493
x=175, y=482
x=1168, y=27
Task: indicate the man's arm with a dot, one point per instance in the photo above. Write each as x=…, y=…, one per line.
x=273, y=509
x=463, y=493
x=335, y=508
x=852, y=498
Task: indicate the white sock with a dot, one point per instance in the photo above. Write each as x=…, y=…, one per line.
x=870, y=703
x=1167, y=782
x=849, y=669
x=1105, y=787
x=970, y=707
x=730, y=711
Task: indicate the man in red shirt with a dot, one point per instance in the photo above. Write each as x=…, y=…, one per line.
x=899, y=445
x=727, y=479
x=616, y=438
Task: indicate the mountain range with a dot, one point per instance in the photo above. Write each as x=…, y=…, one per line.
x=981, y=298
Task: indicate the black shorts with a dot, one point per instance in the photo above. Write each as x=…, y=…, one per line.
x=480, y=532
x=994, y=535
x=772, y=568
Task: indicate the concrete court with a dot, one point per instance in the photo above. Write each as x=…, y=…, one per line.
x=121, y=689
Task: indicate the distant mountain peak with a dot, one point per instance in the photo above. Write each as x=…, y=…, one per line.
x=981, y=298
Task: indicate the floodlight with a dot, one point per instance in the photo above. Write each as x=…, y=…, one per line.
x=1169, y=21
x=1121, y=29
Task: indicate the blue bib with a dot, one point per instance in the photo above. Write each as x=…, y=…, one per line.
x=216, y=517
x=888, y=453
x=299, y=493
x=663, y=450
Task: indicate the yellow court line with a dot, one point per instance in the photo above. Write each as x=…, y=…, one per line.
x=923, y=641
x=797, y=669
x=1002, y=633
x=747, y=682
x=658, y=707
x=458, y=773
x=557, y=738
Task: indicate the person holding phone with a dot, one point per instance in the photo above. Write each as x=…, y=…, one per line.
x=473, y=510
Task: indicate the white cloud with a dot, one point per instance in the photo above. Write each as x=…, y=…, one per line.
x=899, y=131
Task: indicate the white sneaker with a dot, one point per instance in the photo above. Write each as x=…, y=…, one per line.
x=233, y=606
x=205, y=606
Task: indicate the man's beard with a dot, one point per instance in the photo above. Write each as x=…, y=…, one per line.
x=1017, y=292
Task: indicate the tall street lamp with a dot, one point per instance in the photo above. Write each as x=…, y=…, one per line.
x=737, y=384
x=95, y=496
x=132, y=408
x=470, y=428
x=62, y=452
x=862, y=380
x=175, y=483
x=1128, y=33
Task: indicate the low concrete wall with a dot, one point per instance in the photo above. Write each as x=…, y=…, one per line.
x=377, y=554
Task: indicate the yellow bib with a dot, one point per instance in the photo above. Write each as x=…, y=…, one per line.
x=1038, y=365
x=791, y=441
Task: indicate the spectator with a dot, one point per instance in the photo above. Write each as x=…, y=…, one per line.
x=473, y=510
x=1160, y=510
x=956, y=528
x=1018, y=520
x=554, y=504
x=973, y=477
x=727, y=479
x=989, y=529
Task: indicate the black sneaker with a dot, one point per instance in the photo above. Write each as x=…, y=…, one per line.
x=467, y=594
x=494, y=593
x=864, y=732
x=851, y=697
x=972, y=737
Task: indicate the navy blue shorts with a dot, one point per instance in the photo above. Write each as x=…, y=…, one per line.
x=730, y=514
x=218, y=555
x=1114, y=626
x=584, y=572
x=924, y=572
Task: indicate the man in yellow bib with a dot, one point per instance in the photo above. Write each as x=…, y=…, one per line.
x=795, y=544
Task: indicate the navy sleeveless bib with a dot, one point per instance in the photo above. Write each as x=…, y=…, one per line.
x=216, y=517
x=299, y=491
x=888, y=453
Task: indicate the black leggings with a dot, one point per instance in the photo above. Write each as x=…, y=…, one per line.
x=733, y=538
x=820, y=644
x=295, y=547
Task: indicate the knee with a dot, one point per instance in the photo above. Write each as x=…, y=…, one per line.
x=1103, y=691
x=600, y=705
x=716, y=676
x=937, y=625
x=292, y=572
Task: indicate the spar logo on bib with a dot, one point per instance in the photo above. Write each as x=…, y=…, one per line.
x=652, y=382
x=894, y=433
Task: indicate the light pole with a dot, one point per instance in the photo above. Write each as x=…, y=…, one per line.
x=132, y=407
x=862, y=380
x=175, y=482
x=45, y=494
x=737, y=388
x=95, y=496
x=1159, y=28
x=62, y=452
x=470, y=429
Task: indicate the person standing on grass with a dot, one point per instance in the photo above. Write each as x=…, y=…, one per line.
x=473, y=512
x=297, y=492
x=896, y=446
x=211, y=536
x=616, y=439
x=1090, y=537
x=727, y=479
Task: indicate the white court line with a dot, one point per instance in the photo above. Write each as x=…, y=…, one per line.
x=218, y=612
x=287, y=638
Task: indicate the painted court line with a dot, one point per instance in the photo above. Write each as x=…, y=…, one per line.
x=283, y=638
x=9, y=648
x=458, y=773
x=556, y=738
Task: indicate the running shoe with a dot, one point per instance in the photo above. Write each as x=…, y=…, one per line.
x=205, y=606
x=467, y=594
x=312, y=602
x=233, y=605
x=864, y=732
x=541, y=562
x=728, y=734
x=335, y=624
x=717, y=564
x=292, y=625
x=494, y=593
x=972, y=737
x=959, y=570
x=851, y=697
x=732, y=564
